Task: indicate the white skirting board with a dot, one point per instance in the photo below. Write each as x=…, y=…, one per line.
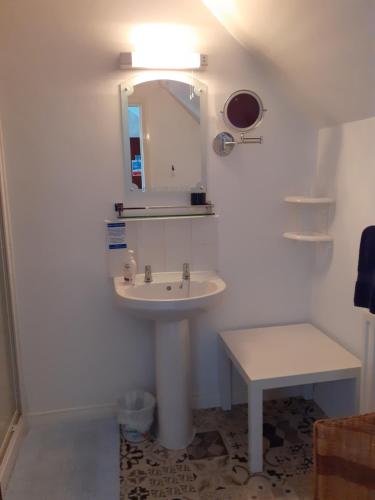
x=11, y=453
x=368, y=374
x=200, y=400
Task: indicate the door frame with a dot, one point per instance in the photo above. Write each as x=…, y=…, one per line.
x=17, y=427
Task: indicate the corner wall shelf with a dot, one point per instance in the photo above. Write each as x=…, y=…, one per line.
x=306, y=200
x=307, y=236
x=318, y=217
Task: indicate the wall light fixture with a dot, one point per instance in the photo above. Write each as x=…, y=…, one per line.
x=149, y=59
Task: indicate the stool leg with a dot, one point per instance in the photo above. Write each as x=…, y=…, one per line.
x=225, y=379
x=358, y=403
x=255, y=419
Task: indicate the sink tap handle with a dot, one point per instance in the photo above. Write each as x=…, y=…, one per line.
x=148, y=274
x=186, y=271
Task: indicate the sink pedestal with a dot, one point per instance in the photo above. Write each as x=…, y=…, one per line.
x=169, y=305
x=173, y=384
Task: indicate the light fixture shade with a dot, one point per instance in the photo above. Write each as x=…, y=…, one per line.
x=149, y=59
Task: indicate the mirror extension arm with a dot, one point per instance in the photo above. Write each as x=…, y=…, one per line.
x=224, y=142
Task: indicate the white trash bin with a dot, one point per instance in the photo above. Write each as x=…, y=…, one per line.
x=136, y=414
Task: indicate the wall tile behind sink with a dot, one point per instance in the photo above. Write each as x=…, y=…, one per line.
x=177, y=244
x=167, y=244
x=132, y=236
x=204, y=257
x=151, y=245
x=204, y=231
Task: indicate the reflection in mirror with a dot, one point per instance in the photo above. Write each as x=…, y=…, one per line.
x=243, y=110
x=162, y=128
x=136, y=145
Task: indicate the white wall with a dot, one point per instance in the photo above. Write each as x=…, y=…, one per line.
x=60, y=109
x=346, y=170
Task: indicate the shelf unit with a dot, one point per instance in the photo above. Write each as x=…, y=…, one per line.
x=310, y=236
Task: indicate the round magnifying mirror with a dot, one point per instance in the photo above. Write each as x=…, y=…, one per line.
x=243, y=110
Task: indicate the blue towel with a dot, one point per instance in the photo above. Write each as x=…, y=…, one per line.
x=364, y=295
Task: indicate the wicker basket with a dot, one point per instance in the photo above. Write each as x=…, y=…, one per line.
x=344, y=458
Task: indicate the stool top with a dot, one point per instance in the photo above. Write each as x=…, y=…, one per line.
x=288, y=355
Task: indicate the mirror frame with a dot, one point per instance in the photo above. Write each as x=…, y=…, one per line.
x=137, y=197
x=257, y=122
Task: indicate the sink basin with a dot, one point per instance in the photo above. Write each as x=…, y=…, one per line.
x=167, y=296
x=170, y=301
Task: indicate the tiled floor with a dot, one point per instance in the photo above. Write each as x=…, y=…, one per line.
x=79, y=460
x=214, y=467
x=68, y=461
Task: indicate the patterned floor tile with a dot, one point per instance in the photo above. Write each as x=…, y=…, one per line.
x=214, y=466
x=207, y=444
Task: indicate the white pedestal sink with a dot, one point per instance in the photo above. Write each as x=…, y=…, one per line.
x=169, y=301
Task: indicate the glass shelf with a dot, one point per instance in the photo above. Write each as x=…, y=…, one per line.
x=164, y=217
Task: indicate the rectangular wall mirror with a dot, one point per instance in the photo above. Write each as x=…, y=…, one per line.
x=164, y=138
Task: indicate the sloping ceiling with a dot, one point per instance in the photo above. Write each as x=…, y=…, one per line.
x=320, y=51
x=323, y=51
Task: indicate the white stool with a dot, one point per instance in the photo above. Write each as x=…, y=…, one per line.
x=280, y=356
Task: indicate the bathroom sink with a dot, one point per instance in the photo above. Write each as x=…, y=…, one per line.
x=170, y=301
x=168, y=296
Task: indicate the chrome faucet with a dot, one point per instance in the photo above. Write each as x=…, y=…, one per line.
x=185, y=271
x=148, y=274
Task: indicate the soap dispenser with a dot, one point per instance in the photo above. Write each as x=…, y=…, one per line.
x=130, y=268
